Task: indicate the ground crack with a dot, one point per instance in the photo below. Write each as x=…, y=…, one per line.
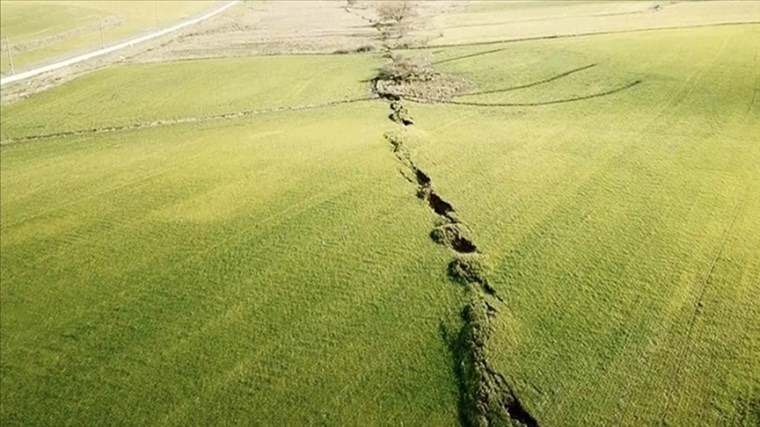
x=485, y=396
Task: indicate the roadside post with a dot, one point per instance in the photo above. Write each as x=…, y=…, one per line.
x=10, y=55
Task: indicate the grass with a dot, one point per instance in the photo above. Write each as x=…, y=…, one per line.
x=198, y=89
x=41, y=31
x=278, y=269
x=490, y=21
x=622, y=229
x=216, y=275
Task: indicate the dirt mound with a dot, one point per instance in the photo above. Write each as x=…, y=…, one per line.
x=438, y=88
x=415, y=78
x=451, y=235
x=467, y=270
x=485, y=395
x=400, y=114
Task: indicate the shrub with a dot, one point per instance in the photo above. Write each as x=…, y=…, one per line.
x=402, y=69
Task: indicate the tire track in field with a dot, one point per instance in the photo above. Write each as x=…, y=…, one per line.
x=528, y=85
x=183, y=120
x=675, y=380
x=531, y=104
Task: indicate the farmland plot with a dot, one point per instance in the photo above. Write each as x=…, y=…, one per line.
x=274, y=262
x=622, y=228
x=217, y=274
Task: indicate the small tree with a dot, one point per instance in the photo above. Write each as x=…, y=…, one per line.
x=394, y=12
x=394, y=17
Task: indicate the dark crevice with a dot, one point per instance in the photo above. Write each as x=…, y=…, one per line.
x=470, y=271
x=440, y=206
x=485, y=396
x=399, y=114
x=453, y=236
x=422, y=178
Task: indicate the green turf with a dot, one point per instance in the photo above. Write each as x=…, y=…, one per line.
x=609, y=221
x=278, y=270
x=41, y=31
x=137, y=94
x=219, y=275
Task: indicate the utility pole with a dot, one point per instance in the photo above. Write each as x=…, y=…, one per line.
x=10, y=55
x=102, y=40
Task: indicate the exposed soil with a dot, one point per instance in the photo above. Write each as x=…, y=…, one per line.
x=486, y=398
x=453, y=236
x=439, y=88
x=399, y=114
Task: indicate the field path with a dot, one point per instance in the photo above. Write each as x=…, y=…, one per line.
x=119, y=46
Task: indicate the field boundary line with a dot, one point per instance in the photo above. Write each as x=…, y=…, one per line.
x=183, y=120
x=119, y=46
x=573, y=35
x=550, y=18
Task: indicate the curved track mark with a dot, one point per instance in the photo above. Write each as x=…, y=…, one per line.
x=532, y=104
x=536, y=83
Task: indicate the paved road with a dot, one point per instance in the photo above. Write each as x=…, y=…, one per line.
x=123, y=45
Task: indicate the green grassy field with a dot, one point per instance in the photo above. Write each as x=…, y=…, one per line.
x=494, y=20
x=41, y=31
x=216, y=275
x=623, y=228
x=278, y=269
x=198, y=89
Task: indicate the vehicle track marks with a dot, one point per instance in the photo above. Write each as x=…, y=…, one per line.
x=533, y=104
x=698, y=304
x=527, y=85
